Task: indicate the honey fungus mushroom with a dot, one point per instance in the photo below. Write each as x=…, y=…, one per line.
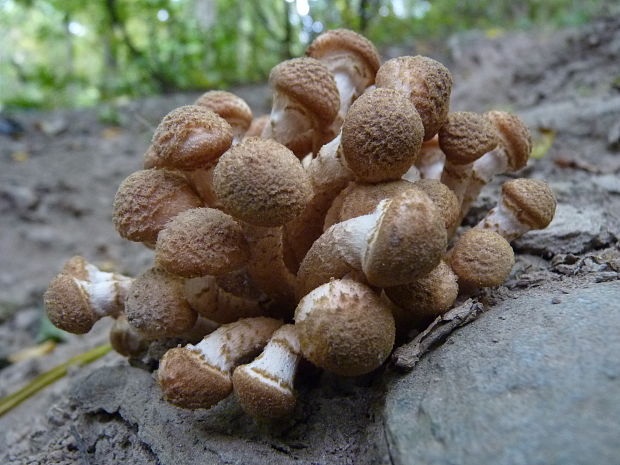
x=305, y=104
x=345, y=328
x=428, y=84
x=199, y=376
x=146, y=200
x=351, y=58
x=229, y=106
x=201, y=241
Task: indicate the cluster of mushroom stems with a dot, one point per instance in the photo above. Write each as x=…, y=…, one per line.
x=324, y=231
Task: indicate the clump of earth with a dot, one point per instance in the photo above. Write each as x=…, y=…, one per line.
x=534, y=379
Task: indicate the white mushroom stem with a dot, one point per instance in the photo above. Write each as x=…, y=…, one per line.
x=202, y=182
x=412, y=174
x=456, y=177
x=505, y=222
x=106, y=297
x=288, y=120
x=431, y=161
x=490, y=164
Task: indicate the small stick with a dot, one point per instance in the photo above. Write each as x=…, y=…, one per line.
x=407, y=356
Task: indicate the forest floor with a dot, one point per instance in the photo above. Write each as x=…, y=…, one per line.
x=57, y=182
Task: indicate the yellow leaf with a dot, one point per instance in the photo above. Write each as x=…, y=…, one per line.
x=20, y=156
x=543, y=143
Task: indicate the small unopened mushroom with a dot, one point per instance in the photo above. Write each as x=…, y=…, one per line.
x=425, y=298
x=188, y=138
x=199, y=376
x=525, y=204
x=481, y=258
x=156, y=305
x=444, y=199
x=428, y=84
x=261, y=182
x=381, y=136
x=352, y=59
x=511, y=154
x=81, y=294
x=199, y=242
x=345, y=328
x=402, y=239
x=127, y=340
x=305, y=104
x=147, y=200
x=229, y=106
x=264, y=387
x=463, y=139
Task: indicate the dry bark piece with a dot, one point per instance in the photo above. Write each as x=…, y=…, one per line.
x=229, y=106
x=81, y=294
x=264, y=387
x=305, y=103
x=351, y=58
x=146, y=200
x=200, y=376
x=261, y=182
x=481, y=258
x=513, y=151
x=525, y=204
x=156, y=305
x=464, y=138
x=381, y=136
x=199, y=242
x=404, y=238
x=428, y=84
x=345, y=328
x=188, y=138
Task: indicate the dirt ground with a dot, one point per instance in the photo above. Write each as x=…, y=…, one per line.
x=57, y=182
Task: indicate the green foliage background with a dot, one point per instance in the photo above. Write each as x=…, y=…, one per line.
x=74, y=53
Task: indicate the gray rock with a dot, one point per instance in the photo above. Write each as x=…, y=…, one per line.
x=571, y=231
x=534, y=381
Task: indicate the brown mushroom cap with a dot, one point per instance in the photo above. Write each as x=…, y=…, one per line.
x=309, y=82
x=147, y=199
x=257, y=126
x=381, y=135
x=76, y=267
x=408, y=242
x=428, y=84
x=481, y=258
x=444, y=199
x=261, y=182
x=466, y=136
x=156, y=305
x=531, y=200
x=125, y=339
x=68, y=306
x=201, y=241
x=229, y=106
x=514, y=137
x=262, y=400
x=345, y=39
x=188, y=138
x=188, y=382
x=345, y=328
x=428, y=296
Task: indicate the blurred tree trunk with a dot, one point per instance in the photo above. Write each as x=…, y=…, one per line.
x=288, y=31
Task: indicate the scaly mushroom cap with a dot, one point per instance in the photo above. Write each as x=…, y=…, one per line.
x=156, y=305
x=125, y=339
x=199, y=242
x=76, y=266
x=190, y=137
x=147, y=199
x=67, y=305
x=309, y=82
x=481, y=258
x=408, y=242
x=514, y=137
x=261, y=182
x=345, y=328
x=381, y=135
x=466, y=136
x=229, y=106
x=361, y=199
x=428, y=84
x=444, y=199
x=188, y=382
x=257, y=126
x=532, y=201
x=345, y=39
x=428, y=296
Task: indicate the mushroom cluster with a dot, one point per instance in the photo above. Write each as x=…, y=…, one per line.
x=321, y=231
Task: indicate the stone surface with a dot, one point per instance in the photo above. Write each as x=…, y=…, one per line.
x=534, y=381
x=572, y=230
